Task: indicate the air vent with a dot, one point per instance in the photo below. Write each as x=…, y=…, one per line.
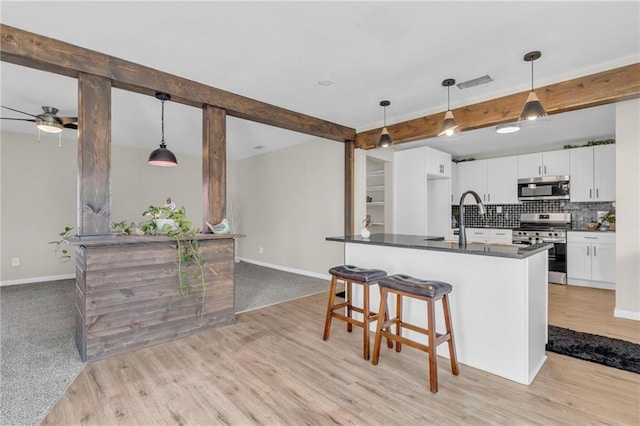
x=475, y=82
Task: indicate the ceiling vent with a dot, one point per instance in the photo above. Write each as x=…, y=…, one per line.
x=475, y=82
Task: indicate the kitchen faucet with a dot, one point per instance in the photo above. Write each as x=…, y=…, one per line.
x=462, y=237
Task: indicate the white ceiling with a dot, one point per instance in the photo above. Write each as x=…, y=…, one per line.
x=278, y=51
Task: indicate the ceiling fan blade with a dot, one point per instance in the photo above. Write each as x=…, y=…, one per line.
x=70, y=126
x=68, y=120
x=18, y=119
x=17, y=110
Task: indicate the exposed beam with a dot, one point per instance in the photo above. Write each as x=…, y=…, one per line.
x=596, y=89
x=214, y=165
x=35, y=51
x=94, y=154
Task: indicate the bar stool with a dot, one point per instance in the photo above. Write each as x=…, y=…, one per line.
x=350, y=274
x=429, y=291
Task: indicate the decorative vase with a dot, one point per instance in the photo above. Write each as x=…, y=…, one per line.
x=365, y=233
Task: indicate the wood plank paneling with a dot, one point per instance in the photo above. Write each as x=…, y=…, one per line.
x=214, y=165
x=47, y=54
x=94, y=154
x=583, y=92
x=132, y=297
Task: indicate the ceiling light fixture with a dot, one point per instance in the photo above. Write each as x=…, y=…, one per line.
x=508, y=128
x=385, y=140
x=449, y=125
x=533, y=108
x=162, y=156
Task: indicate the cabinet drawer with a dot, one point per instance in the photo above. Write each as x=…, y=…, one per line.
x=591, y=237
x=501, y=234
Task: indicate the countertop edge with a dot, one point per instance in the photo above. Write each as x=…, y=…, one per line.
x=433, y=246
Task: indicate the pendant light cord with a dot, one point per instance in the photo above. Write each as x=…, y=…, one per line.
x=448, y=98
x=385, y=116
x=532, y=76
x=162, y=120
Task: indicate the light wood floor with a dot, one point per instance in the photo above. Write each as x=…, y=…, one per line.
x=273, y=367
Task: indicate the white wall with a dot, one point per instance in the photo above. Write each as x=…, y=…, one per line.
x=628, y=209
x=289, y=201
x=39, y=198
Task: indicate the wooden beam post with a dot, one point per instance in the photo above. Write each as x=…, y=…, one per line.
x=214, y=165
x=349, y=182
x=94, y=154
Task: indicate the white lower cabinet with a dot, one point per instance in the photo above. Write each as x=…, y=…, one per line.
x=591, y=259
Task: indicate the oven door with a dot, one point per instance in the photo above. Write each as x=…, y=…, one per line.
x=558, y=263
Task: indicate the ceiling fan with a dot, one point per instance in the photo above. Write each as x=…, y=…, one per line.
x=48, y=121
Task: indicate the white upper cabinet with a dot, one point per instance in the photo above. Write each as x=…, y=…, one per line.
x=593, y=176
x=550, y=163
x=502, y=178
x=494, y=180
x=472, y=175
x=438, y=163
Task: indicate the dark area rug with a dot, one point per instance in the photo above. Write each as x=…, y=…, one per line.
x=599, y=349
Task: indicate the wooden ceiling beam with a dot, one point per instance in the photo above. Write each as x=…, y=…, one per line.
x=35, y=51
x=596, y=89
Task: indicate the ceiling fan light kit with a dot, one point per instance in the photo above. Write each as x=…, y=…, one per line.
x=449, y=124
x=533, y=108
x=162, y=156
x=385, y=139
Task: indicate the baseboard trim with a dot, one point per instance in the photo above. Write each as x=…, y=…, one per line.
x=287, y=269
x=622, y=313
x=37, y=279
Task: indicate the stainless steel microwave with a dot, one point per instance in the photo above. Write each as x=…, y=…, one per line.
x=543, y=188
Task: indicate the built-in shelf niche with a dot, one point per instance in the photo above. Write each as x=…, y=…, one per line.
x=377, y=189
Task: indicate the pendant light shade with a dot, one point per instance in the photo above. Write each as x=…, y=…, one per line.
x=385, y=139
x=449, y=124
x=533, y=108
x=162, y=156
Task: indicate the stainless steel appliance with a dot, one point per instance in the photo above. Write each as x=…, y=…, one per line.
x=547, y=228
x=543, y=188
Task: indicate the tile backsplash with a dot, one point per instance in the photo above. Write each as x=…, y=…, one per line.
x=581, y=213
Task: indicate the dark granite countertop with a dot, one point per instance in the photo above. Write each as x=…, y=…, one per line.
x=590, y=230
x=422, y=242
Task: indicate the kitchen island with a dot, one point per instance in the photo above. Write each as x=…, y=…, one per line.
x=498, y=303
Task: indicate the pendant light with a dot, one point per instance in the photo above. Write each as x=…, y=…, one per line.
x=449, y=125
x=162, y=156
x=533, y=108
x=385, y=139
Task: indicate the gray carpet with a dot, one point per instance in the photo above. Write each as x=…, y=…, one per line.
x=38, y=354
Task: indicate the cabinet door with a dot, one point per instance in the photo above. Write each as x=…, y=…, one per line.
x=581, y=174
x=579, y=261
x=410, y=192
x=603, y=262
x=529, y=165
x=438, y=163
x=504, y=236
x=455, y=191
x=502, y=180
x=472, y=175
x=604, y=172
x=556, y=163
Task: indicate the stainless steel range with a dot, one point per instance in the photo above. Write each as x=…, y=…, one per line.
x=547, y=228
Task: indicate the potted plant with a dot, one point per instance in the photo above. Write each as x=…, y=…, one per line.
x=610, y=217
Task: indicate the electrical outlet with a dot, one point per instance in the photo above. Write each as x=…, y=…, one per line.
x=499, y=209
x=261, y=250
x=15, y=261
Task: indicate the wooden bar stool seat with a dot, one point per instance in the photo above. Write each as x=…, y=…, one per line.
x=350, y=274
x=429, y=291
